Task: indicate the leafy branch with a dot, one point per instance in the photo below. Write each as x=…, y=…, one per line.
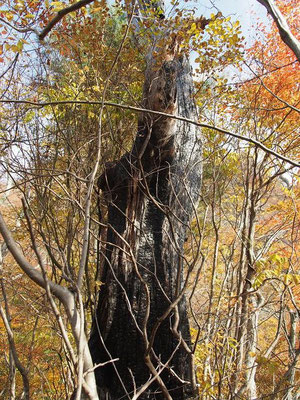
x=60, y=14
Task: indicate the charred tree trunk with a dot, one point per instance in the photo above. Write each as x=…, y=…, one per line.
x=141, y=317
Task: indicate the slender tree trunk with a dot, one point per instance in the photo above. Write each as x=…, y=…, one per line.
x=12, y=377
x=248, y=322
x=294, y=355
x=152, y=191
x=209, y=323
x=252, y=341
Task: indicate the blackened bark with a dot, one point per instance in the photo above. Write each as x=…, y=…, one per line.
x=142, y=313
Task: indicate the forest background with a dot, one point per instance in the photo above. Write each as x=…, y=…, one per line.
x=70, y=105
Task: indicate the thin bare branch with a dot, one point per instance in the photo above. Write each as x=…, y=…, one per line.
x=20, y=30
x=17, y=361
x=35, y=275
x=159, y=113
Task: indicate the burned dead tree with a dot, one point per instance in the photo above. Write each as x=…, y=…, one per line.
x=141, y=317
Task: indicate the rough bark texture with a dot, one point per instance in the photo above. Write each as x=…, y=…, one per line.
x=142, y=315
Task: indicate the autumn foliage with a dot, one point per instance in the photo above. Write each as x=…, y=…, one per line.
x=244, y=293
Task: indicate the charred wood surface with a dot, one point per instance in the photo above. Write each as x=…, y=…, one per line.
x=152, y=190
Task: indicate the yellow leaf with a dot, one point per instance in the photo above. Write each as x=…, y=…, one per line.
x=96, y=89
x=94, y=10
x=58, y=5
x=14, y=48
